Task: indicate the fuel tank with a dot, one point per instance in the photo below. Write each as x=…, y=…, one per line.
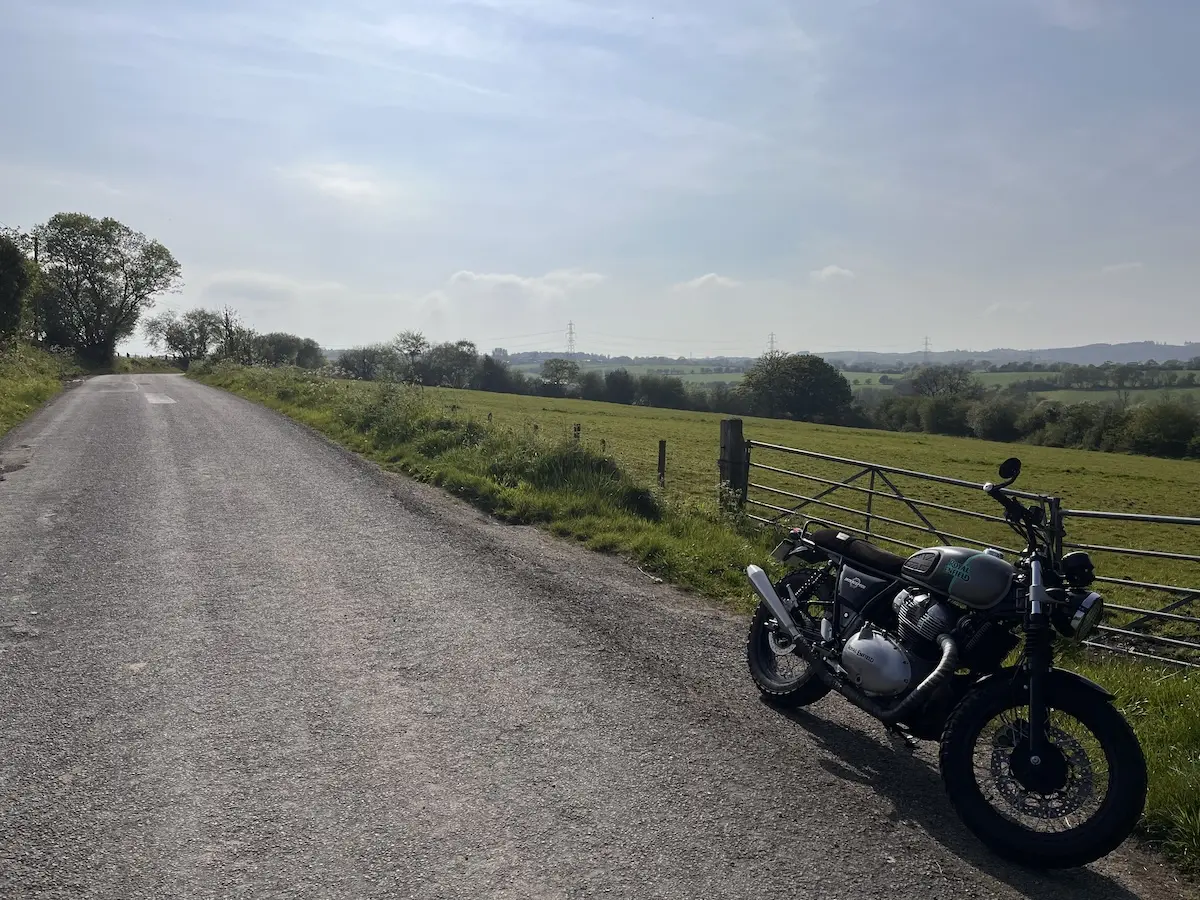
x=970, y=577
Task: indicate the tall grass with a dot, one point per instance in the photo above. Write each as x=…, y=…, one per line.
x=572, y=489
x=28, y=378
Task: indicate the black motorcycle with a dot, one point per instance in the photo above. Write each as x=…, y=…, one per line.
x=1037, y=761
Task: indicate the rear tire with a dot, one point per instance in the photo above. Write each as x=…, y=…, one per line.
x=767, y=653
x=1087, y=732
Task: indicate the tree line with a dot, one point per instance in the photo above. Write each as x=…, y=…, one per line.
x=950, y=400
x=936, y=399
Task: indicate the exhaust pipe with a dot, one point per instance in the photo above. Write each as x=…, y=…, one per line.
x=888, y=715
x=764, y=589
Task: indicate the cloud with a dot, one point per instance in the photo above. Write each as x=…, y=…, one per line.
x=349, y=184
x=1118, y=268
x=552, y=285
x=704, y=282
x=261, y=288
x=829, y=273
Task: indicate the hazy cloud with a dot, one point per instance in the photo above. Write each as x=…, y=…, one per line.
x=1118, y=268
x=1079, y=15
x=829, y=273
x=350, y=184
x=261, y=288
x=709, y=281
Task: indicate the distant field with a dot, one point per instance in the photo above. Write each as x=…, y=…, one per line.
x=685, y=373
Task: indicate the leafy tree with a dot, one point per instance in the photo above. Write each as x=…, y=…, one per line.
x=797, y=386
x=591, y=386
x=995, y=419
x=100, y=276
x=411, y=346
x=664, y=391
x=188, y=337
x=945, y=381
x=450, y=365
x=620, y=386
x=236, y=341
x=368, y=363
x=1165, y=428
x=15, y=278
x=495, y=375
x=559, y=373
x=279, y=348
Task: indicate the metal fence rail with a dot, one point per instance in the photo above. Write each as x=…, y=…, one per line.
x=1168, y=633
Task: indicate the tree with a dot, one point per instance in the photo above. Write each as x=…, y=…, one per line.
x=188, y=338
x=591, y=386
x=945, y=381
x=235, y=340
x=411, y=346
x=663, y=391
x=15, y=278
x=799, y=386
x=367, y=363
x=559, y=372
x=450, y=365
x=620, y=386
x=1165, y=428
x=100, y=276
x=279, y=348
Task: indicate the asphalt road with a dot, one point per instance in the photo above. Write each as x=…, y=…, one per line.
x=236, y=662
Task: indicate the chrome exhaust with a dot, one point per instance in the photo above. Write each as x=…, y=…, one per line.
x=764, y=589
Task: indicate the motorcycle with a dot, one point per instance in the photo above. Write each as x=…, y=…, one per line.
x=1037, y=761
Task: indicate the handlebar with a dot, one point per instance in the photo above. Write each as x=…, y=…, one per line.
x=1023, y=519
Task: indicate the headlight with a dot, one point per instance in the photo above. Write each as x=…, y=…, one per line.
x=1079, y=618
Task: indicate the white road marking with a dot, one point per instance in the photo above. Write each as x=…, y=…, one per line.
x=157, y=398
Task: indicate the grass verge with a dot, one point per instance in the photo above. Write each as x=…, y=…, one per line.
x=576, y=491
x=28, y=378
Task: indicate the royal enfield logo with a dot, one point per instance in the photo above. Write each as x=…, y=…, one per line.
x=856, y=583
x=960, y=570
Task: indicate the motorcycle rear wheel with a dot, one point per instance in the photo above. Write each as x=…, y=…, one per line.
x=781, y=674
x=1064, y=821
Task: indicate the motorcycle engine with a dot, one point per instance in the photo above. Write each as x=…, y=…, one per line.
x=883, y=665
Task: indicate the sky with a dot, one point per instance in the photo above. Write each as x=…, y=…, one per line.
x=681, y=177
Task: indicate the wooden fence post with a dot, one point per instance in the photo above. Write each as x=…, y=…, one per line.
x=735, y=458
x=575, y=431
x=662, y=463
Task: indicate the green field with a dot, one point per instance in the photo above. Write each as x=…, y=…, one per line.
x=687, y=373
x=522, y=465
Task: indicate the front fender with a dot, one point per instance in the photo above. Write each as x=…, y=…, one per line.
x=1056, y=677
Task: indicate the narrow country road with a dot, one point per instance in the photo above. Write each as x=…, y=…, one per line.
x=236, y=662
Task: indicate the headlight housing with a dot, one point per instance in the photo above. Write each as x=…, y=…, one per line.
x=1080, y=616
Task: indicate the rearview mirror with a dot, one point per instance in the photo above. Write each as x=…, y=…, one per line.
x=1010, y=468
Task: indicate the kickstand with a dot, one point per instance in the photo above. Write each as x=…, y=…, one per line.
x=899, y=735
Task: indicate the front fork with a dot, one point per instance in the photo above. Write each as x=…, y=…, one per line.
x=1039, y=660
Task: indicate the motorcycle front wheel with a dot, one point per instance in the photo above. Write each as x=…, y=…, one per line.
x=781, y=674
x=1072, y=807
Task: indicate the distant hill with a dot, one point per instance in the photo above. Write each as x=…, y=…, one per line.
x=1090, y=354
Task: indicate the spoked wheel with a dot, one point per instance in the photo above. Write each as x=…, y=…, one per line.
x=1071, y=805
x=780, y=672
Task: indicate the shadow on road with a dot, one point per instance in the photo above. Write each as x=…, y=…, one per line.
x=918, y=797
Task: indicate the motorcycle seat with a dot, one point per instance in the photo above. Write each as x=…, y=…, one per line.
x=854, y=550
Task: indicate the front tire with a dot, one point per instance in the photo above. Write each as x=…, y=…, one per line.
x=1077, y=805
x=781, y=674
